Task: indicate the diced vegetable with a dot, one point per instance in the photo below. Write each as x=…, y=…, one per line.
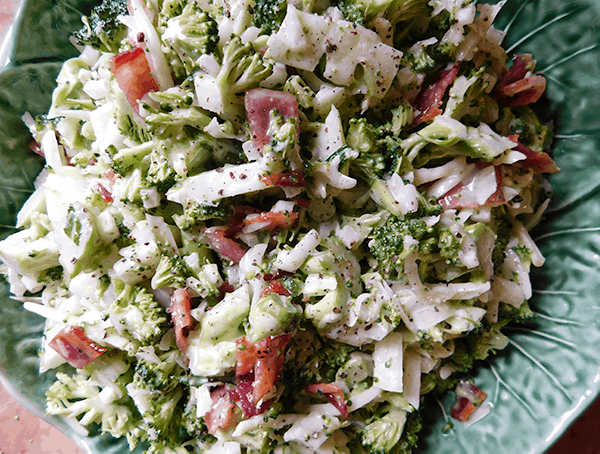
x=333, y=393
x=181, y=317
x=468, y=398
x=133, y=75
x=73, y=345
x=259, y=105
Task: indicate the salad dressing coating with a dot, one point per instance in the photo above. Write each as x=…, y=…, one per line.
x=270, y=226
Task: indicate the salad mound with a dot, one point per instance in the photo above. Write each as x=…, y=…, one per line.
x=273, y=226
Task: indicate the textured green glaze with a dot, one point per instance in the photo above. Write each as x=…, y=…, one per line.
x=550, y=372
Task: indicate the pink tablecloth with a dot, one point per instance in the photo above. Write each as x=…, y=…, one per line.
x=22, y=432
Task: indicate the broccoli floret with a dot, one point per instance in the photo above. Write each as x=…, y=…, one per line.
x=388, y=240
x=381, y=435
x=428, y=207
x=156, y=391
x=188, y=33
x=309, y=358
x=284, y=142
x=96, y=394
x=195, y=213
x=157, y=377
x=174, y=109
x=160, y=413
x=487, y=340
x=521, y=314
x=410, y=434
x=127, y=121
x=137, y=315
x=102, y=30
x=305, y=95
x=160, y=173
x=392, y=430
x=432, y=382
x=502, y=227
x=193, y=425
x=364, y=12
x=268, y=15
x=242, y=69
x=419, y=62
x=171, y=272
x=449, y=245
x=364, y=138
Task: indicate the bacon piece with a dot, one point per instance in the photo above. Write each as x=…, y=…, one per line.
x=73, y=345
x=259, y=103
x=539, y=160
x=266, y=357
x=429, y=100
x=278, y=275
x=224, y=246
x=275, y=287
x=105, y=193
x=132, y=72
x=110, y=175
x=181, y=306
x=234, y=223
x=514, y=89
x=461, y=195
x=468, y=399
x=285, y=180
x=271, y=220
x=220, y=415
x=243, y=395
x=333, y=393
x=36, y=148
x=225, y=287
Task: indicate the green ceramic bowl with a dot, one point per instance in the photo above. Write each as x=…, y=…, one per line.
x=550, y=372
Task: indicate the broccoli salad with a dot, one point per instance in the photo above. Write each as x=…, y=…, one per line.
x=274, y=225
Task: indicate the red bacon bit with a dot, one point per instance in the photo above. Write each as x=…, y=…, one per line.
x=266, y=358
x=333, y=393
x=278, y=275
x=275, y=287
x=73, y=345
x=225, y=287
x=110, y=175
x=36, y=148
x=132, y=72
x=243, y=395
x=514, y=89
x=273, y=220
x=429, y=100
x=522, y=64
x=226, y=247
x=539, y=160
x=220, y=416
x=181, y=306
x=259, y=103
x=468, y=399
x=105, y=193
x=234, y=223
x=454, y=198
x=304, y=203
x=285, y=180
